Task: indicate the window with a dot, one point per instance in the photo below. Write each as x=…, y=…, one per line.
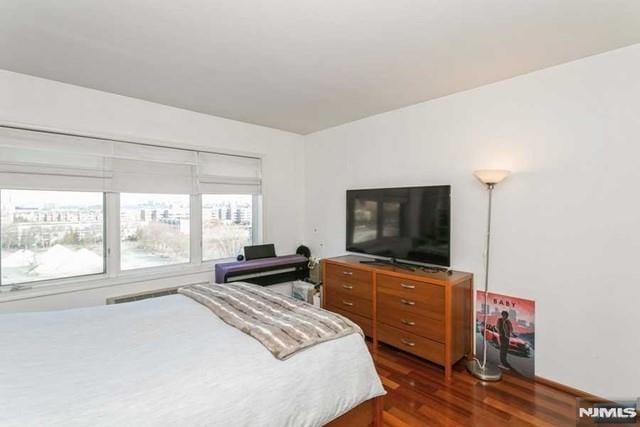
x=51, y=235
x=74, y=206
x=391, y=219
x=366, y=221
x=154, y=230
x=227, y=225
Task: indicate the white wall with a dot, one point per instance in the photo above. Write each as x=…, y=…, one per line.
x=566, y=224
x=44, y=103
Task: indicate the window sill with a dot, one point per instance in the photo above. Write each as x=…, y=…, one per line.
x=65, y=286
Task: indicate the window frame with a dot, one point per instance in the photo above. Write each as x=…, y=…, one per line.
x=166, y=267
x=256, y=219
x=113, y=274
x=256, y=225
x=66, y=279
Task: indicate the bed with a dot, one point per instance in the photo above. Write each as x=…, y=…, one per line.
x=170, y=361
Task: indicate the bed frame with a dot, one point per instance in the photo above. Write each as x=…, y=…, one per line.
x=368, y=413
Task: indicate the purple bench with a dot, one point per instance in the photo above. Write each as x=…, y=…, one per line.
x=296, y=266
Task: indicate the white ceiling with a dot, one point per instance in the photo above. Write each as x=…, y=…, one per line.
x=302, y=65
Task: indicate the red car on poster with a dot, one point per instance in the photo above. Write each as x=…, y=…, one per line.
x=516, y=344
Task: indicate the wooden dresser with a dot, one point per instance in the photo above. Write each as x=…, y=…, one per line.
x=426, y=314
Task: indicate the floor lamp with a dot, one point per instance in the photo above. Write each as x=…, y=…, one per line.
x=483, y=370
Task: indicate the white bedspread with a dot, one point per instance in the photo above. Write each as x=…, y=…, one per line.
x=168, y=361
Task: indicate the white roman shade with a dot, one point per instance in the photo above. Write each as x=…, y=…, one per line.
x=44, y=161
x=49, y=161
x=224, y=174
x=149, y=169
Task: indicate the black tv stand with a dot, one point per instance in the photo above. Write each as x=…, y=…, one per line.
x=392, y=262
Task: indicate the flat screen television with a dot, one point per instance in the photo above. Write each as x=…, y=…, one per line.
x=409, y=223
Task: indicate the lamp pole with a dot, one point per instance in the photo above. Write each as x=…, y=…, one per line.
x=486, y=276
x=483, y=370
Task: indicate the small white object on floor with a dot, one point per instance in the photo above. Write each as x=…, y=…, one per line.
x=304, y=291
x=285, y=288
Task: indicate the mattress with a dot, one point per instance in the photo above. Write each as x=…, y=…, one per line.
x=169, y=361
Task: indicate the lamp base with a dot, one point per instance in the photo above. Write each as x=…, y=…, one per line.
x=488, y=373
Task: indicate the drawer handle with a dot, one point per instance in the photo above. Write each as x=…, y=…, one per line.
x=409, y=343
x=350, y=304
x=348, y=273
x=407, y=302
x=408, y=322
x=404, y=285
x=347, y=286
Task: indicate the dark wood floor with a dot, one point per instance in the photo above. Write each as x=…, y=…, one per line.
x=418, y=395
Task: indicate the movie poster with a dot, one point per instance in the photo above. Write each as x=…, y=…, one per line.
x=512, y=318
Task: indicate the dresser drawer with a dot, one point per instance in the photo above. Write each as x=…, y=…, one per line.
x=354, y=288
x=431, y=309
x=347, y=274
x=365, y=324
x=348, y=302
x=411, y=343
x=410, y=289
x=411, y=322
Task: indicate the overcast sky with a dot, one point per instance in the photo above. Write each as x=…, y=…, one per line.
x=27, y=198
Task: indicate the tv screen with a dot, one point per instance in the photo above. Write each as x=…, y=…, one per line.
x=410, y=223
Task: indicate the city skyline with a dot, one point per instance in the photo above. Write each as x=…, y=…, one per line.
x=53, y=234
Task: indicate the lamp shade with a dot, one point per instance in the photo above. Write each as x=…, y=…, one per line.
x=491, y=176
